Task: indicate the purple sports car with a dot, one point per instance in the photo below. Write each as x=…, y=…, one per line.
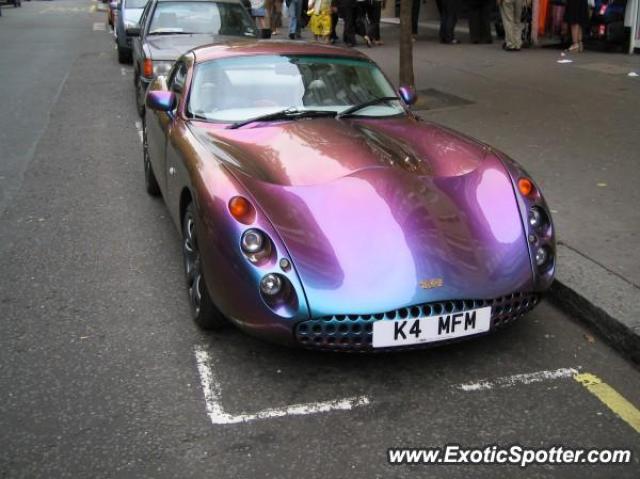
x=317, y=210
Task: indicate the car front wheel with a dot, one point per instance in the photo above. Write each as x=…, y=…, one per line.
x=150, y=181
x=205, y=314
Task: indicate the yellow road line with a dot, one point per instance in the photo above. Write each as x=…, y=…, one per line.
x=611, y=398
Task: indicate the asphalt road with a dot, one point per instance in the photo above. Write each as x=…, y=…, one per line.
x=103, y=374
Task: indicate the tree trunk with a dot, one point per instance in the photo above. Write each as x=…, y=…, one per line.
x=406, y=44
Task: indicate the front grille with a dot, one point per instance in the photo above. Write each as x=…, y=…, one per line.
x=353, y=332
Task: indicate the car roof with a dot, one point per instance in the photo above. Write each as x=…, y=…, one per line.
x=271, y=47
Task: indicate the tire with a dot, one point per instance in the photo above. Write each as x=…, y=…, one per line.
x=150, y=181
x=140, y=97
x=205, y=314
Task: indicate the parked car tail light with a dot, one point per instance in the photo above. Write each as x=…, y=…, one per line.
x=242, y=210
x=147, y=68
x=525, y=186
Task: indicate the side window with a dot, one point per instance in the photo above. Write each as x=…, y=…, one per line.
x=178, y=78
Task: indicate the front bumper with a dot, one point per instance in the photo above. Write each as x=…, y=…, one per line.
x=354, y=333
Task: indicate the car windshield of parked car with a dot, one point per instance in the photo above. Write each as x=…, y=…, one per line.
x=241, y=88
x=135, y=3
x=219, y=18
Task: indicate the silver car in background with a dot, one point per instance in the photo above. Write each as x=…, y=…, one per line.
x=128, y=14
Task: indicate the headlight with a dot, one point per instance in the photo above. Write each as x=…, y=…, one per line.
x=542, y=256
x=538, y=219
x=252, y=241
x=271, y=284
x=161, y=68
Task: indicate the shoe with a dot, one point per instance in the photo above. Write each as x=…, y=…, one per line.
x=574, y=48
x=292, y=36
x=454, y=42
x=504, y=45
x=368, y=41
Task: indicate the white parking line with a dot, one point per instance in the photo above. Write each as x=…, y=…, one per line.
x=139, y=128
x=99, y=26
x=212, y=396
x=509, y=381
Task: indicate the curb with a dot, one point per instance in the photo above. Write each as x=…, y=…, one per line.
x=603, y=300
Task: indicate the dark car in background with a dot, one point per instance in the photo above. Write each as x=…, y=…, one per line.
x=128, y=16
x=169, y=28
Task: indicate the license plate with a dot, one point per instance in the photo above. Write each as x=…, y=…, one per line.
x=428, y=329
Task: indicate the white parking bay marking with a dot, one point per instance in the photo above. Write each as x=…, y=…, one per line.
x=99, y=27
x=139, y=128
x=213, y=393
x=527, y=378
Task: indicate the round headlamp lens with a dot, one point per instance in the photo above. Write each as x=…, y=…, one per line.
x=542, y=256
x=252, y=241
x=271, y=284
x=535, y=218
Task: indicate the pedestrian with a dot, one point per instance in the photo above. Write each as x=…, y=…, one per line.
x=294, y=9
x=276, y=16
x=374, y=14
x=354, y=22
x=258, y=12
x=370, y=13
x=335, y=16
x=448, y=18
x=511, y=13
x=576, y=15
x=320, y=21
x=480, y=21
x=362, y=20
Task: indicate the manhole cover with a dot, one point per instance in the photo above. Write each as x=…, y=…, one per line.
x=432, y=99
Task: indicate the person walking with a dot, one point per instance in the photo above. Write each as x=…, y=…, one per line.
x=480, y=21
x=576, y=15
x=369, y=16
x=354, y=22
x=511, y=13
x=294, y=9
x=448, y=18
x=320, y=21
x=276, y=16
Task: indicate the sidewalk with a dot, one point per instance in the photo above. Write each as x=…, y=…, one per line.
x=576, y=128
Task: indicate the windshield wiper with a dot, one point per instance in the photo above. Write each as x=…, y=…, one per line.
x=289, y=113
x=351, y=110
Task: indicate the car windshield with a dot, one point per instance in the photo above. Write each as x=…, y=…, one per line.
x=135, y=3
x=241, y=88
x=201, y=17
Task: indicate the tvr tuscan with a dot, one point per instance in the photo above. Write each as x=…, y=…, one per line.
x=317, y=210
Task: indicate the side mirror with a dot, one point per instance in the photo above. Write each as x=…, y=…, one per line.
x=161, y=100
x=133, y=31
x=408, y=94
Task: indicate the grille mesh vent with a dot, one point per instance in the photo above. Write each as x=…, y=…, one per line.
x=354, y=332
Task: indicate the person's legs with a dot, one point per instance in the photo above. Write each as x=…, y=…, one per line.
x=294, y=17
x=444, y=20
x=484, y=21
x=454, y=8
x=475, y=27
x=349, y=12
x=506, y=11
x=517, y=23
x=375, y=12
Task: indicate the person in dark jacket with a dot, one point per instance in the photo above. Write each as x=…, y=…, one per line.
x=480, y=20
x=448, y=18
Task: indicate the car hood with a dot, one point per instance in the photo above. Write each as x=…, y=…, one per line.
x=382, y=214
x=170, y=47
